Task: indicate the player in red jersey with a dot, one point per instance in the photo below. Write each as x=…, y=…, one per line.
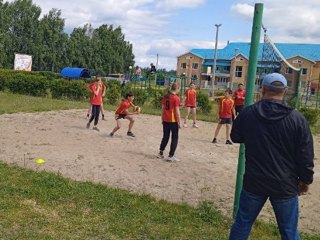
x=225, y=113
x=95, y=101
x=122, y=112
x=190, y=104
x=239, y=96
x=170, y=121
x=103, y=88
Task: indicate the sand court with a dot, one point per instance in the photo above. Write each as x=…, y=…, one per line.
x=206, y=171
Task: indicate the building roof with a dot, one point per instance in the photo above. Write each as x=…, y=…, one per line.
x=288, y=50
x=69, y=72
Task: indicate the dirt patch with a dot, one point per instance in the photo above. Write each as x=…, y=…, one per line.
x=206, y=171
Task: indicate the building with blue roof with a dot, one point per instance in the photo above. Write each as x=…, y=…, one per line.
x=232, y=63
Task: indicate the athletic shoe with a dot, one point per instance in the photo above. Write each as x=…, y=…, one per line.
x=172, y=159
x=160, y=156
x=111, y=134
x=130, y=134
x=214, y=140
x=185, y=125
x=88, y=125
x=228, y=142
x=96, y=128
x=195, y=125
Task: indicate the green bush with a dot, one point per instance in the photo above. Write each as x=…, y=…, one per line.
x=219, y=93
x=140, y=96
x=157, y=95
x=28, y=85
x=69, y=89
x=77, y=90
x=113, y=91
x=59, y=88
x=203, y=102
x=126, y=89
x=312, y=115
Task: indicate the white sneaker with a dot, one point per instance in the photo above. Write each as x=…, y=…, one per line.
x=185, y=125
x=172, y=159
x=195, y=125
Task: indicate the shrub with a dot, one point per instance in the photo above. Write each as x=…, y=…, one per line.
x=203, y=102
x=140, y=96
x=77, y=90
x=312, y=115
x=113, y=91
x=125, y=89
x=29, y=85
x=157, y=95
x=59, y=88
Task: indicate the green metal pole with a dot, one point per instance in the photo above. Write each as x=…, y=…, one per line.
x=297, y=99
x=250, y=87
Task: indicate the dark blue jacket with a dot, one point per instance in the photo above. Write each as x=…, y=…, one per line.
x=279, y=148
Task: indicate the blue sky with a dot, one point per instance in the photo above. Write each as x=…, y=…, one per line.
x=173, y=27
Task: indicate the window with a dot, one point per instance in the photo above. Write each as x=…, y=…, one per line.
x=288, y=70
x=304, y=71
x=194, y=77
x=183, y=65
x=238, y=71
x=195, y=65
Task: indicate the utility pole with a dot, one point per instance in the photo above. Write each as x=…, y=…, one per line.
x=214, y=61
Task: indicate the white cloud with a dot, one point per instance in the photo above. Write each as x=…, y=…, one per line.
x=172, y=4
x=285, y=20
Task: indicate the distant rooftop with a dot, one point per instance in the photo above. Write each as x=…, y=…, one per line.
x=288, y=50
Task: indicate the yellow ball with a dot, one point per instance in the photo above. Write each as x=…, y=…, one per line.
x=137, y=109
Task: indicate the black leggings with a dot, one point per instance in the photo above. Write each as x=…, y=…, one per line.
x=167, y=128
x=95, y=114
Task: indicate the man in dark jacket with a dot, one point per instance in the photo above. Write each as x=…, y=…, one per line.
x=279, y=159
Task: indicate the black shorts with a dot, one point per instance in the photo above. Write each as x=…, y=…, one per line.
x=190, y=106
x=238, y=108
x=225, y=120
x=120, y=116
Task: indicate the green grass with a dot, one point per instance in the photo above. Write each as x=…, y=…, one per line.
x=11, y=103
x=41, y=205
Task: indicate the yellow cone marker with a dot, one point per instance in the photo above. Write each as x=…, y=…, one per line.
x=40, y=160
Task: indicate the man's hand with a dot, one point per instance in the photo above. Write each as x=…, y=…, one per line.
x=302, y=188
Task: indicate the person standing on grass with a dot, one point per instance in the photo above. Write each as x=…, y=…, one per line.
x=225, y=113
x=279, y=160
x=239, y=96
x=96, y=101
x=190, y=104
x=122, y=112
x=170, y=121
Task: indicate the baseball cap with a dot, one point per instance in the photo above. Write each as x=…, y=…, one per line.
x=274, y=77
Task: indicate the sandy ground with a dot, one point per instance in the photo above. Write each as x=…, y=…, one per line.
x=206, y=171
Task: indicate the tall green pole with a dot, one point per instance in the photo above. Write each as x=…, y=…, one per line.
x=250, y=87
x=297, y=99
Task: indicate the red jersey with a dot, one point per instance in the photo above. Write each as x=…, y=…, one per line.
x=95, y=99
x=239, y=96
x=225, y=108
x=124, y=105
x=190, y=98
x=169, y=105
